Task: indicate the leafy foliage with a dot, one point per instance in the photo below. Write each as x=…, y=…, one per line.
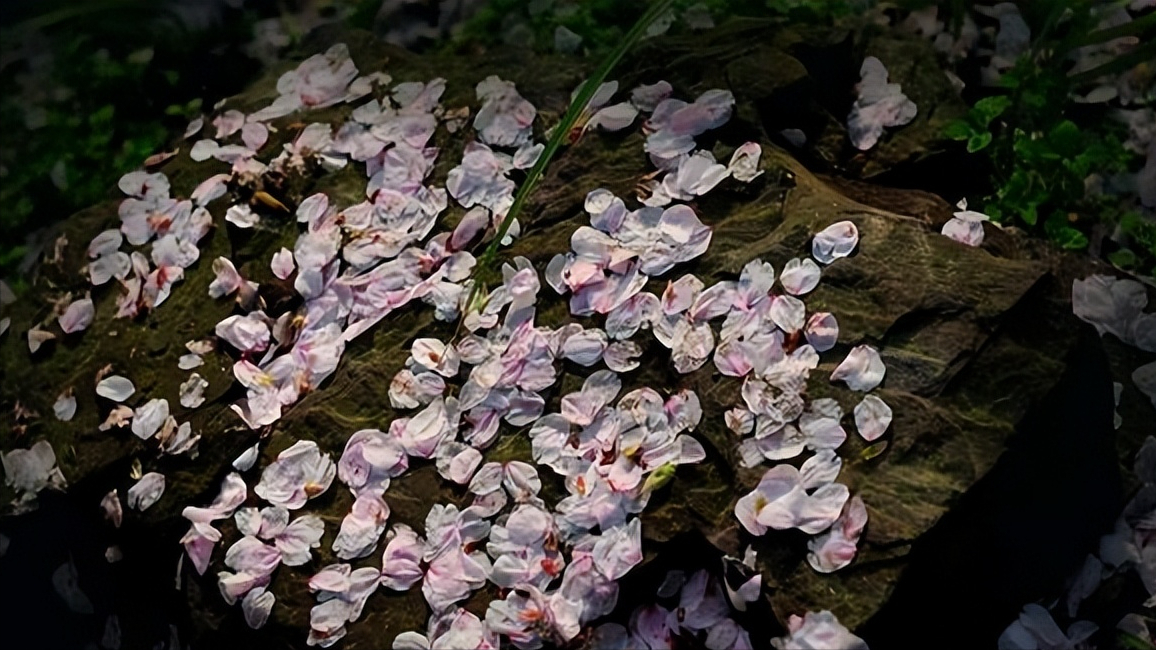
x=1042, y=150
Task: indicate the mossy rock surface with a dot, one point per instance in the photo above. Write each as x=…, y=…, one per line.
x=974, y=339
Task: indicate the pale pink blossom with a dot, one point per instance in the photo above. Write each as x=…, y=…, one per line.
x=28, y=471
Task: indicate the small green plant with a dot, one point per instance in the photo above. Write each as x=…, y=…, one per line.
x=1041, y=152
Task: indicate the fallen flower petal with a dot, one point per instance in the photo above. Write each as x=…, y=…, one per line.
x=872, y=417
x=862, y=370
x=65, y=406
x=115, y=388
x=146, y=491
x=835, y=241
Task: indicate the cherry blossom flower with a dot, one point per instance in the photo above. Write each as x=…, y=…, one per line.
x=229, y=281
x=242, y=216
x=300, y=473
x=597, y=114
x=210, y=189
x=835, y=241
x=319, y=81
x=115, y=388
x=822, y=331
x=28, y=471
x=249, y=333
x=879, y=105
x=146, y=491
x=674, y=124
x=450, y=572
x=77, y=316
x=817, y=631
x=257, y=605
x=648, y=96
x=409, y=390
x=966, y=227
x=872, y=417
x=744, y=164
x=800, y=276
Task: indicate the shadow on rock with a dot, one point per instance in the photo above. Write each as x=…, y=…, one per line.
x=1022, y=530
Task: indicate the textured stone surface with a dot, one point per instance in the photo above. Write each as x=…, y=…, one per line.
x=973, y=340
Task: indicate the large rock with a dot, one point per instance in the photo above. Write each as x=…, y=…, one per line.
x=984, y=362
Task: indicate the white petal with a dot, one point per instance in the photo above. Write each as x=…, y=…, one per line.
x=115, y=388
x=835, y=241
x=872, y=417
x=146, y=491
x=863, y=370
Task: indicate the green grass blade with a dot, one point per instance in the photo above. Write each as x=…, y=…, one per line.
x=560, y=133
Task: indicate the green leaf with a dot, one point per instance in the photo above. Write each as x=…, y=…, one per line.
x=978, y=142
x=1123, y=258
x=959, y=130
x=561, y=133
x=989, y=108
x=1063, y=233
